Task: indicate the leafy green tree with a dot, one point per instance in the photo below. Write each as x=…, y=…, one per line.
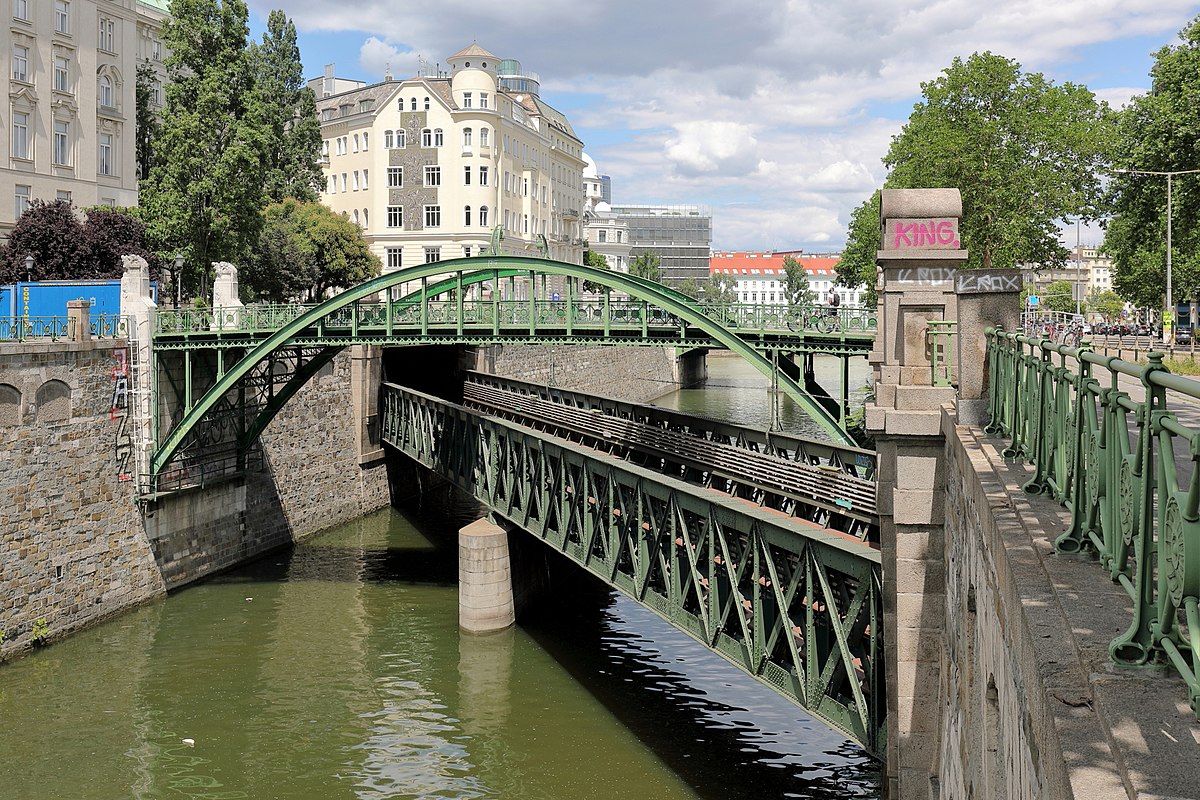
x=205, y=190
x=290, y=111
x=1159, y=131
x=690, y=287
x=597, y=261
x=305, y=249
x=857, y=264
x=796, y=288
x=1024, y=152
x=721, y=289
x=1107, y=304
x=114, y=232
x=1057, y=297
x=145, y=119
x=646, y=266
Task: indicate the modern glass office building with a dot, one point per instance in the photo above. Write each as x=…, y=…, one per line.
x=681, y=236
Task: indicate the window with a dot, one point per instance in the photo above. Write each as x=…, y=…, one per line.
x=354, y=181
x=400, y=138
x=356, y=222
x=433, y=216
x=107, y=38
x=21, y=9
x=483, y=103
x=412, y=105
x=524, y=187
x=466, y=251
x=156, y=49
x=603, y=237
x=356, y=143
x=23, y=195
x=389, y=140
x=483, y=137
x=62, y=143
x=437, y=137
x=426, y=103
x=344, y=182
x=365, y=219
x=364, y=180
x=62, y=16
x=395, y=178
x=20, y=135
x=332, y=184
x=483, y=216
x=62, y=194
x=467, y=100
x=525, y=223
x=467, y=216
x=366, y=139
x=395, y=216
x=466, y=176
x=62, y=74
x=395, y=258
x=466, y=138
x=426, y=138
x=106, y=92
x=433, y=176
x=433, y=254
x=483, y=176
x=20, y=63
x=105, y=164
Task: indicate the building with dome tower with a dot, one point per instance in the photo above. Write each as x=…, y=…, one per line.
x=452, y=161
x=606, y=234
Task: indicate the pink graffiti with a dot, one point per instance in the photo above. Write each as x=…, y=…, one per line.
x=924, y=234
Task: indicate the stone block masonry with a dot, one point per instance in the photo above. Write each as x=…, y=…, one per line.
x=633, y=374
x=75, y=545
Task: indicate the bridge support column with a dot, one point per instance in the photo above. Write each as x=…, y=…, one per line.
x=917, y=287
x=691, y=367
x=485, y=591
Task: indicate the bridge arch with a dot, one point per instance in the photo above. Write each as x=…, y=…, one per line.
x=466, y=272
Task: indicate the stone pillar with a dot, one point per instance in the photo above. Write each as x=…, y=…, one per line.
x=918, y=262
x=79, y=320
x=485, y=595
x=990, y=298
x=138, y=309
x=226, y=303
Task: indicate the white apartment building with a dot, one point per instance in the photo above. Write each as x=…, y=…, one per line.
x=760, y=277
x=435, y=166
x=606, y=233
x=67, y=127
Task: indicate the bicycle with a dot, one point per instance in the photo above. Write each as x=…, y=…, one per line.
x=824, y=320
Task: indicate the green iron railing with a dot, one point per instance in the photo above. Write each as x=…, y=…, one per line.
x=797, y=607
x=54, y=328
x=942, y=336
x=1102, y=438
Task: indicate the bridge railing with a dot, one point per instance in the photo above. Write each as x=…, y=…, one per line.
x=55, y=328
x=598, y=312
x=1117, y=443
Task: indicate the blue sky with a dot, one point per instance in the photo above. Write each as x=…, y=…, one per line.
x=775, y=113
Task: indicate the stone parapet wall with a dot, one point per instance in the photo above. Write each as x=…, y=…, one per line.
x=633, y=374
x=72, y=548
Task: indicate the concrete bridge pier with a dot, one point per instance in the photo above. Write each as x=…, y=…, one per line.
x=691, y=367
x=485, y=586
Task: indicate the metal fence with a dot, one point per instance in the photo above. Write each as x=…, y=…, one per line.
x=1117, y=443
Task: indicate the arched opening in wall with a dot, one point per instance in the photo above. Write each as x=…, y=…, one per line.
x=10, y=405
x=53, y=401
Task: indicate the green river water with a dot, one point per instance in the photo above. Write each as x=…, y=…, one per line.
x=337, y=670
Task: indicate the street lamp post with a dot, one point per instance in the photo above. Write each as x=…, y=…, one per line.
x=29, y=269
x=1078, y=273
x=1170, y=175
x=178, y=273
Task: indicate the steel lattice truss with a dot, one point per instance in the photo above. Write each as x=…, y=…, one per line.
x=793, y=605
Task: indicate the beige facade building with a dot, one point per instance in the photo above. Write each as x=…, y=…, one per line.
x=436, y=166
x=68, y=120
x=606, y=233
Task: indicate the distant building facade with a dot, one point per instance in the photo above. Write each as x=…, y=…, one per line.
x=681, y=237
x=440, y=165
x=71, y=99
x=606, y=233
x=761, y=278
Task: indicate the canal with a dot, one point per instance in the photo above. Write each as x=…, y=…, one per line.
x=336, y=670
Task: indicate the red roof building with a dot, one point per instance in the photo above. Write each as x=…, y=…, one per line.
x=760, y=277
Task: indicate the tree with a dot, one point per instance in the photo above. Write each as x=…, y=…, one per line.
x=205, y=189
x=53, y=235
x=796, y=288
x=645, y=266
x=114, y=232
x=1057, y=297
x=1108, y=304
x=145, y=119
x=292, y=166
x=721, y=289
x=1159, y=131
x=1024, y=152
x=690, y=287
x=306, y=249
x=857, y=264
x=597, y=261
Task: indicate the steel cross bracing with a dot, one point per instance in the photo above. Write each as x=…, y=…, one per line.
x=824, y=495
x=798, y=607
x=234, y=344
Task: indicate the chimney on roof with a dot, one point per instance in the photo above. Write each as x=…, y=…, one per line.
x=327, y=88
x=387, y=72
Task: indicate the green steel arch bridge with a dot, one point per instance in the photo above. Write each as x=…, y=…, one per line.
x=758, y=545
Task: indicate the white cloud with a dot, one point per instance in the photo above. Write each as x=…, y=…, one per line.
x=376, y=57
x=1118, y=96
